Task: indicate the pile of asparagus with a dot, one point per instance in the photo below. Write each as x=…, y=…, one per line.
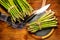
x=17, y=8
x=46, y=21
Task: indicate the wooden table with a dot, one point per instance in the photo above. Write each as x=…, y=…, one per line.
x=8, y=33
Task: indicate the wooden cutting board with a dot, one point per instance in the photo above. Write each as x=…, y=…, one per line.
x=8, y=33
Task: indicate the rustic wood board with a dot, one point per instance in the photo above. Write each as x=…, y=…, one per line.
x=8, y=33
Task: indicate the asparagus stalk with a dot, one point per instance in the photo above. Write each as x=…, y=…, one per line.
x=18, y=6
x=46, y=15
x=22, y=6
x=53, y=18
x=34, y=27
x=2, y=3
x=28, y=5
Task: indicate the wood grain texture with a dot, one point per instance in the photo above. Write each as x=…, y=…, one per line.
x=8, y=33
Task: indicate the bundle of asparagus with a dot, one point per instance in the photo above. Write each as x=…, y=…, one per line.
x=46, y=21
x=17, y=8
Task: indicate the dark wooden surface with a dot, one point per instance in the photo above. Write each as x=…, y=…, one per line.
x=8, y=33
